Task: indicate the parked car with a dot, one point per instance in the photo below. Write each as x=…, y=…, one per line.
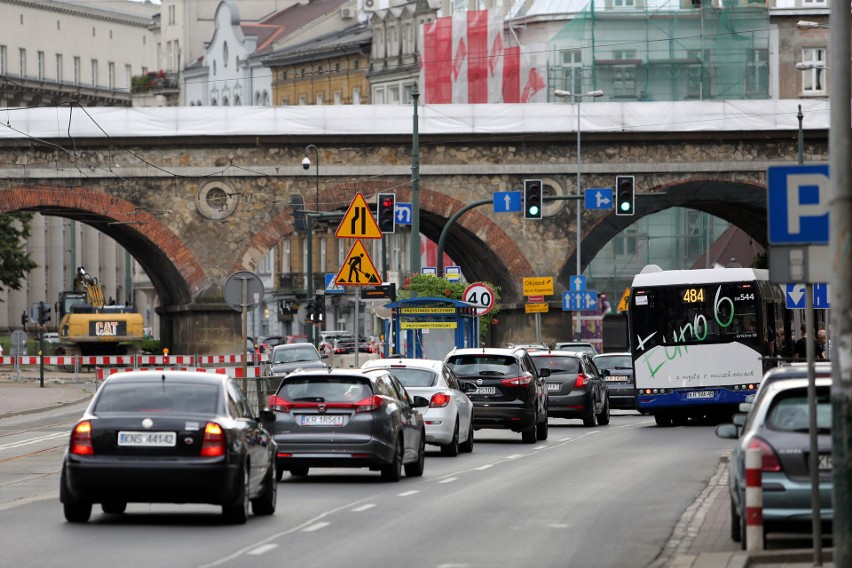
x=449, y=416
x=576, y=346
x=51, y=337
x=169, y=437
x=575, y=389
x=288, y=357
x=617, y=372
x=348, y=418
x=506, y=389
x=778, y=425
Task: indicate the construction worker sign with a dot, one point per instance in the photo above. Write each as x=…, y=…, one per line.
x=358, y=269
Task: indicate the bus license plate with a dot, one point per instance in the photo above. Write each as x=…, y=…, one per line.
x=700, y=394
x=486, y=390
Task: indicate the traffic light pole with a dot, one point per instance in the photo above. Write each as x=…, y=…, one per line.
x=41, y=355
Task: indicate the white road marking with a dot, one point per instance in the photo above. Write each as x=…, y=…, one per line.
x=363, y=508
x=514, y=456
x=32, y=441
x=315, y=527
x=539, y=447
x=448, y=480
x=484, y=467
x=262, y=549
x=566, y=439
x=407, y=493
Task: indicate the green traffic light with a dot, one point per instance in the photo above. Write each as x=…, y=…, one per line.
x=533, y=210
x=625, y=206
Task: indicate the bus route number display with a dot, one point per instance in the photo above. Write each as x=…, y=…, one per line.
x=693, y=295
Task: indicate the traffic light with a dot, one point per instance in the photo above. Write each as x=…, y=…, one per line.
x=319, y=308
x=43, y=313
x=310, y=311
x=386, y=212
x=532, y=199
x=624, y=195
x=24, y=318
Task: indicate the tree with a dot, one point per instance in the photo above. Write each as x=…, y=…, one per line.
x=15, y=261
x=428, y=286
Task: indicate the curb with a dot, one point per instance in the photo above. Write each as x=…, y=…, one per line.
x=84, y=396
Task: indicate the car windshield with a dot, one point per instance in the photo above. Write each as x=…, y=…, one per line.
x=325, y=389
x=295, y=355
x=557, y=364
x=484, y=365
x=789, y=411
x=119, y=397
x=613, y=362
x=414, y=377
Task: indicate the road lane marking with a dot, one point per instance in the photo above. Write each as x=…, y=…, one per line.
x=448, y=480
x=484, y=467
x=363, y=508
x=540, y=447
x=315, y=527
x=407, y=493
x=514, y=456
x=32, y=441
x=262, y=549
x=566, y=439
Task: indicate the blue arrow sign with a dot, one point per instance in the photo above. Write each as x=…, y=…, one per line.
x=578, y=283
x=598, y=198
x=507, y=201
x=579, y=301
x=331, y=287
x=797, y=204
x=403, y=213
x=795, y=296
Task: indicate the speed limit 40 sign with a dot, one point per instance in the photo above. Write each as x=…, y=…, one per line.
x=480, y=295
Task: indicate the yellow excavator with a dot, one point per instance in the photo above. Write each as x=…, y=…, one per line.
x=89, y=326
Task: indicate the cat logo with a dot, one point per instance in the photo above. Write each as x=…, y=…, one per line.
x=106, y=328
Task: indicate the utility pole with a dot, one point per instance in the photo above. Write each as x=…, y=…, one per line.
x=414, y=243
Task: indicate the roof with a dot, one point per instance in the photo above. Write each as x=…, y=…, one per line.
x=171, y=375
x=348, y=40
x=700, y=276
x=287, y=21
x=412, y=302
x=432, y=364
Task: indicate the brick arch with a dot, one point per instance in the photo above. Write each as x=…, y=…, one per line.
x=172, y=268
x=739, y=203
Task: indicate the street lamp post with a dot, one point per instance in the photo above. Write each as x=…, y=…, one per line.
x=577, y=98
x=309, y=270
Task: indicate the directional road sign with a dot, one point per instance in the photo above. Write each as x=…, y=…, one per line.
x=403, y=213
x=795, y=296
x=331, y=287
x=507, y=201
x=358, y=221
x=598, y=198
x=797, y=203
x=578, y=283
x=538, y=285
x=577, y=301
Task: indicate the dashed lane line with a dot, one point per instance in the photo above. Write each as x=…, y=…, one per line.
x=262, y=549
x=363, y=508
x=316, y=527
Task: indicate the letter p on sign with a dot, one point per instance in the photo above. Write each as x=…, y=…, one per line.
x=798, y=204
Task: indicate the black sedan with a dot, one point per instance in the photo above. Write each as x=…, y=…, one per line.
x=340, y=418
x=169, y=437
x=575, y=389
x=617, y=371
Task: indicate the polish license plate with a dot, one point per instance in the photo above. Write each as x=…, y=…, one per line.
x=322, y=420
x=553, y=386
x=617, y=378
x=486, y=390
x=825, y=462
x=147, y=439
x=700, y=394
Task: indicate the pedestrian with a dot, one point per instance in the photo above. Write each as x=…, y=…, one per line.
x=800, y=349
x=825, y=346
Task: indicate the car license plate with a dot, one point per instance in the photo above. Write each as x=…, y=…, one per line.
x=147, y=439
x=825, y=462
x=322, y=420
x=553, y=386
x=617, y=379
x=700, y=394
x=486, y=390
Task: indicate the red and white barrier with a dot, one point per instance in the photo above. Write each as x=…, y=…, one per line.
x=230, y=359
x=754, y=499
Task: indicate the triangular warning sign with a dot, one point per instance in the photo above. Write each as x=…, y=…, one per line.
x=358, y=269
x=358, y=222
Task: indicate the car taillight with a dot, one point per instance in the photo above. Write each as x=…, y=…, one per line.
x=517, y=381
x=770, y=460
x=582, y=380
x=213, y=444
x=81, y=439
x=439, y=400
x=278, y=404
x=368, y=404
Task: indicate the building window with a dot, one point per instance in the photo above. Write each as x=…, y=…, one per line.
x=356, y=95
x=624, y=76
x=285, y=257
x=305, y=268
x=408, y=39
x=172, y=14
x=22, y=62
x=757, y=78
x=3, y=59
x=338, y=97
x=323, y=254
x=284, y=75
x=378, y=44
x=572, y=70
x=813, y=80
x=94, y=72
x=303, y=100
x=393, y=42
x=77, y=71
x=337, y=67
x=111, y=75
x=224, y=53
x=93, y=31
x=58, y=67
x=379, y=96
x=625, y=241
x=40, y=55
x=696, y=231
x=357, y=64
x=128, y=76
x=623, y=3
x=341, y=253
x=320, y=98
x=393, y=94
x=697, y=78
x=58, y=27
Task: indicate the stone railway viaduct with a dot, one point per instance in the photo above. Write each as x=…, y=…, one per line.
x=195, y=194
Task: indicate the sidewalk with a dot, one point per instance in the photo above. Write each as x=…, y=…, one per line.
x=26, y=396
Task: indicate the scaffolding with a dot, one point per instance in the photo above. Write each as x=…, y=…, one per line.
x=664, y=50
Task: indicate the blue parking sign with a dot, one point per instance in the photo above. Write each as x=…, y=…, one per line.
x=797, y=204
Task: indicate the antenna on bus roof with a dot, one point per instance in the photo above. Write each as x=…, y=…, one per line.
x=651, y=268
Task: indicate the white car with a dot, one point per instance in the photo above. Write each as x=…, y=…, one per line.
x=449, y=416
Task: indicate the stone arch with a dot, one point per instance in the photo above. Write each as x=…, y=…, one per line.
x=170, y=265
x=741, y=204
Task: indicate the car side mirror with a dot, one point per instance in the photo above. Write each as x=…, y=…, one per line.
x=746, y=406
x=728, y=431
x=420, y=401
x=739, y=420
x=543, y=373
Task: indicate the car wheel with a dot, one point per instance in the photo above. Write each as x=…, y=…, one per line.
x=467, y=445
x=113, y=508
x=393, y=471
x=680, y=419
x=529, y=436
x=452, y=449
x=591, y=419
x=279, y=472
x=415, y=469
x=603, y=417
x=75, y=511
x=237, y=513
x=736, y=534
x=541, y=429
x=299, y=471
x=663, y=420
x=265, y=503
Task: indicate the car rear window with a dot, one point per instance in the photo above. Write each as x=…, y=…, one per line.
x=789, y=411
x=325, y=389
x=295, y=355
x=613, y=362
x=484, y=365
x=557, y=364
x=414, y=377
x=121, y=397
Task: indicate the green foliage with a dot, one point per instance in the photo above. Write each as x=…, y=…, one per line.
x=151, y=345
x=15, y=261
x=427, y=286
x=760, y=261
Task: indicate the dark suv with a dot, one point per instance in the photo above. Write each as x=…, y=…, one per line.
x=506, y=389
